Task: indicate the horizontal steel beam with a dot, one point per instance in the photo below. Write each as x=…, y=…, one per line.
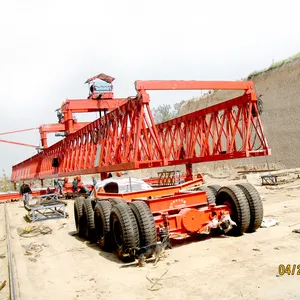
x=87, y=105
x=192, y=85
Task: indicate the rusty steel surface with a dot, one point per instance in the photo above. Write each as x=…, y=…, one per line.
x=127, y=138
x=101, y=76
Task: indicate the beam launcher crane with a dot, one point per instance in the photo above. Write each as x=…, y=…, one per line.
x=128, y=139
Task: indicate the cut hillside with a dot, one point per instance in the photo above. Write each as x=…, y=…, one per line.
x=280, y=86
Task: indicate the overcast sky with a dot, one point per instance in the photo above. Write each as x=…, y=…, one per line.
x=49, y=48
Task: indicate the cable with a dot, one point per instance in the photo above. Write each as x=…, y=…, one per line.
x=29, y=232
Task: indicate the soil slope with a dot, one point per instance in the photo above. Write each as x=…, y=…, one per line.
x=280, y=87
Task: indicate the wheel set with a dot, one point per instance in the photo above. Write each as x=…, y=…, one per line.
x=244, y=201
x=115, y=225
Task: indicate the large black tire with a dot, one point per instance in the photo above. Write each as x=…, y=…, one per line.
x=211, y=198
x=215, y=188
x=78, y=207
x=125, y=231
x=237, y=202
x=255, y=204
x=88, y=220
x=116, y=201
x=102, y=226
x=145, y=221
x=197, y=188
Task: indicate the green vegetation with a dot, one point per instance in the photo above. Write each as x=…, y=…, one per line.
x=5, y=184
x=164, y=112
x=275, y=65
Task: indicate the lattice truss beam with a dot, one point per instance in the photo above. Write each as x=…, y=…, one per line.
x=127, y=139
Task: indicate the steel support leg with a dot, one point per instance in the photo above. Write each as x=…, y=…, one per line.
x=189, y=172
x=103, y=175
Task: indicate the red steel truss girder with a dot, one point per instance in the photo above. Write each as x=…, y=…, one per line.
x=127, y=139
x=231, y=129
x=119, y=132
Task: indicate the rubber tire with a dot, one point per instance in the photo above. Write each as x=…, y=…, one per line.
x=239, y=206
x=122, y=216
x=94, y=201
x=145, y=221
x=211, y=198
x=78, y=207
x=89, y=222
x=116, y=201
x=215, y=188
x=198, y=188
x=255, y=204
x=102, y=224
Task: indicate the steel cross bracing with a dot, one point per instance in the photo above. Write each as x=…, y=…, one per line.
x=127, y=138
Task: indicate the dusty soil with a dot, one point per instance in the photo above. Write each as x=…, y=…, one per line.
x=243, y=267
x=4, y=294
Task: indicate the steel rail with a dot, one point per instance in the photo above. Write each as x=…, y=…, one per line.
x=12, y=283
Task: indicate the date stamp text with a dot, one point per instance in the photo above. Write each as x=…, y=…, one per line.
x=289, y=269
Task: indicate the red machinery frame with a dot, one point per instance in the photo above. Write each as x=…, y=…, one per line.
x=68, y=124
x=186, y=212
x=127, y=138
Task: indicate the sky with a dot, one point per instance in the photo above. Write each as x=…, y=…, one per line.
x=49, y=48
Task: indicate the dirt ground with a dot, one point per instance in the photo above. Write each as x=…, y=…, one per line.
x=243, y=267
x=4, y=294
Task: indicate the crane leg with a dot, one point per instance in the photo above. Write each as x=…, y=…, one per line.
x=103, y=175
x=189, y=172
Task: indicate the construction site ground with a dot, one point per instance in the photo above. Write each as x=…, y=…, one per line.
x=245, y=267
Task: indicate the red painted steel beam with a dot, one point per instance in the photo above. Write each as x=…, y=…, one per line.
x=20, y=144
x=16, y=195
x=87, y=105
x=192, y=85
x=58, y=127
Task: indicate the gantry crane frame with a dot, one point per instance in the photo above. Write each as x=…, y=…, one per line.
x=127, y=138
